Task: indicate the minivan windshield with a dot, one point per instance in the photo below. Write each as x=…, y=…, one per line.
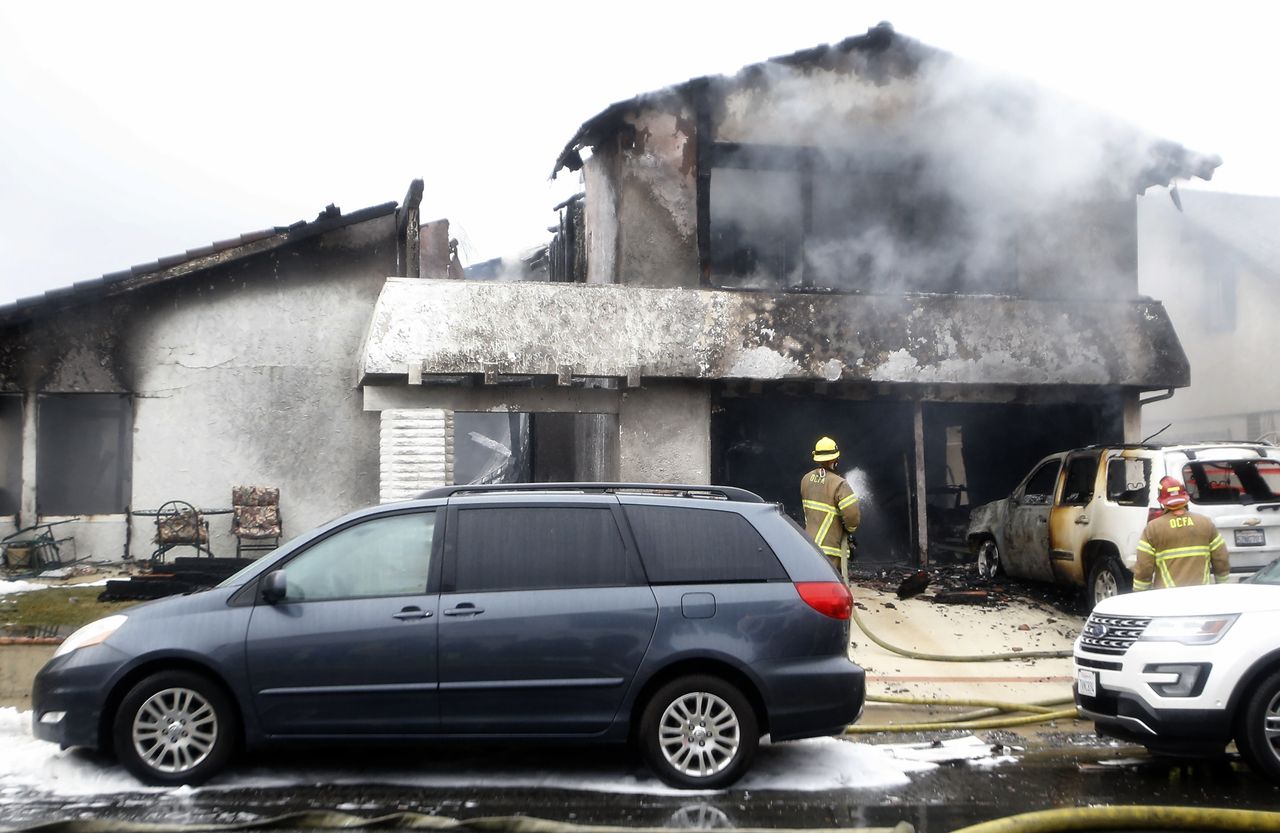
x=1216, y=482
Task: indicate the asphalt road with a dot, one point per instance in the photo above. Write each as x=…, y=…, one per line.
x=593, y=786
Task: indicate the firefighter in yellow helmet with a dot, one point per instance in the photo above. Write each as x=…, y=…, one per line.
x=831, y=513
x=1179, y=547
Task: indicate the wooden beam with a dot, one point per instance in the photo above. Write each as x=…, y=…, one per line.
x=922, y=522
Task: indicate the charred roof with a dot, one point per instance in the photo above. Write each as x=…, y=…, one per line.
x=878, y=55
x=192, y=261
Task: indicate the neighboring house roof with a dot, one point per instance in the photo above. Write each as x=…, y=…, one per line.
x=193, y=260
x=898, y=55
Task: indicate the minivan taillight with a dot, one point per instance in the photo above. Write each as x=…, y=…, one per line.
x=1153, y=513
x=830, y=598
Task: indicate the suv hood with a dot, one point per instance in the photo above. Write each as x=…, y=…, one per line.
x=1194, y=601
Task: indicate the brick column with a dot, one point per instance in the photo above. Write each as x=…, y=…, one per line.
x=415, y=452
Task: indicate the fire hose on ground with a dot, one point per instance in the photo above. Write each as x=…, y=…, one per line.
x=994, y=714
x=1002, y=657
x=1136, y=817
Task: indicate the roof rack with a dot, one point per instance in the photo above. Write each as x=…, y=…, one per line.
x=713, y=492
x=1257, y=448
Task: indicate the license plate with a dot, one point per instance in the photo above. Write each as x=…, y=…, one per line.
x=1251, y=537
x=1087, y=682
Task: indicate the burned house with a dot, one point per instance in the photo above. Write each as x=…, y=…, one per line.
x=227, y=365
x=871, y=240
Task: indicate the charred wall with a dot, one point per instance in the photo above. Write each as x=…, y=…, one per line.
x=881, y=172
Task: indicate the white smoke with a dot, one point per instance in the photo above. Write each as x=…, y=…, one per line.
x=949, y=177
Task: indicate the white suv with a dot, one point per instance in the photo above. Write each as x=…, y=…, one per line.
x=1076, y=517
x=1186, y=670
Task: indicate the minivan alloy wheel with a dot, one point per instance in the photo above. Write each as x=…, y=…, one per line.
x=175, y=730
x=175, y=727
x=699, y=734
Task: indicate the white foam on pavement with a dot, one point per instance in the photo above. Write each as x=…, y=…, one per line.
x=7, y=587
x=30, y=765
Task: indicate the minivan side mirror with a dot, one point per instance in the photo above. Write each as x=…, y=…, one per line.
x=274, y=587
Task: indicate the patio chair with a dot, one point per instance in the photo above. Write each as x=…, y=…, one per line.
x=36, y=548
x=255, y=518
x=179, y=524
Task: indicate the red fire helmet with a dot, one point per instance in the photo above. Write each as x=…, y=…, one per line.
x=1173, y=495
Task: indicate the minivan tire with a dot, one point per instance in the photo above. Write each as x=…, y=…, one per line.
x=703, y=710
x=175, y=727
x=1251, y=727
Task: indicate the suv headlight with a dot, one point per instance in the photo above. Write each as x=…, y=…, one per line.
x=91, y=634
x=1189, y=630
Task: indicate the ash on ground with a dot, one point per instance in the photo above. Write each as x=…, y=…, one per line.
x=961, y=584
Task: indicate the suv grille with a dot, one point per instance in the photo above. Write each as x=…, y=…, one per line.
x=1111, y=634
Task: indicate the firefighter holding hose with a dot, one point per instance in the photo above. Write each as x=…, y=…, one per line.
x=831, y=513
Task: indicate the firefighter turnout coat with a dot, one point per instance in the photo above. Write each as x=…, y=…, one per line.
x=1178, y=549
x=830, y=512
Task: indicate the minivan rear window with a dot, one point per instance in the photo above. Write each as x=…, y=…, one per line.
x=1232, y=481
x=695, y=546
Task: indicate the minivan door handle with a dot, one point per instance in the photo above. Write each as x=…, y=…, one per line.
x=1082, y=519
x=411, y=613
x=464, y=609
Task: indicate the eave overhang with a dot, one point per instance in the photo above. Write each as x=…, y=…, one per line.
x=451, y=328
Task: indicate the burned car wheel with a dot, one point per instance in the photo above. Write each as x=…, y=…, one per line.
x=174, y=728
x=1258, y=728
x=699, y=732
x=1106, y=579
x=988, y=560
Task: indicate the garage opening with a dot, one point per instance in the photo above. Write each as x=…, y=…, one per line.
x=972, y=453
x=764, y=443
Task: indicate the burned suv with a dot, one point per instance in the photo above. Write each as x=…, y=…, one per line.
x=1075, y=519
x=689, y=620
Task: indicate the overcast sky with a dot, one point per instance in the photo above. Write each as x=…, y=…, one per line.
x=137, y=130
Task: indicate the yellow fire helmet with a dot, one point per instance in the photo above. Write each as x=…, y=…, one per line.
x=825, y=449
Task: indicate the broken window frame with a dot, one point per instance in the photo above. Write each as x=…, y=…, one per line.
x=1036, y=497
x=1135, y=493
x=1079, y=482
x=813, y=165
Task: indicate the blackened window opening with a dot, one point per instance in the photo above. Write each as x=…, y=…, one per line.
x=791, y=217
x=83, y=453
x=10, y=453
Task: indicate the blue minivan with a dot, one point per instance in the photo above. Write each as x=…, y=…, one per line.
x=688, y=620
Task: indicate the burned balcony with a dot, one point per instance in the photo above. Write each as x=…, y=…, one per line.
x=424, y=328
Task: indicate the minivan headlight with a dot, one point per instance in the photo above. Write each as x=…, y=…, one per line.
x=91, y=634
x=1189, y=630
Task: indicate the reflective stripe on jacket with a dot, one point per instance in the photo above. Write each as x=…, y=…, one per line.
x=830, y=510
x=1180, y=549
